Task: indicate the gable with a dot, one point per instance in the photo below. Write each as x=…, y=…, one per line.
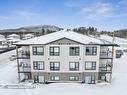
x=64, y=41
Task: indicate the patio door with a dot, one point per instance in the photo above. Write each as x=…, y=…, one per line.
x=87, y=79
x=40, y=79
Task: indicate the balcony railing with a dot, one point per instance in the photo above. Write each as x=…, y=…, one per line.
x=105, y=68
x=24, y=67
x=107, y=55
x=24, y=55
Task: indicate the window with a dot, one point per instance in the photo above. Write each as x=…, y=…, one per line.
x=91, y=50
x=38, y=50
x=38, y=79
x=74, y=66
x=73, y=78
x=74, y=51
x=90, y=65
x=55, y=66
x=90, y=79
x=55, y=78
x=54, y=51
x=38, y=65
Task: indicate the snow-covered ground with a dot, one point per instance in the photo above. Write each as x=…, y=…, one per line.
x=118, y=86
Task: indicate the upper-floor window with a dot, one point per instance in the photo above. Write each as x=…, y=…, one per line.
x=38, y=65
x=38, y=50
x=74, y=51
x=74, y=66
x=54, y=51
x=91, y=50
x=90, y=65
x=55, y=66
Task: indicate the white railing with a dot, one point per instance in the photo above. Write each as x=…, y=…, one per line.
x=24, y=54
x=106, y=55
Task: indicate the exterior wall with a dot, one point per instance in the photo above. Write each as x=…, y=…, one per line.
x=64, y=41
x=92, y=58
x=64, y=57
x=64, y=60
x=64, y=77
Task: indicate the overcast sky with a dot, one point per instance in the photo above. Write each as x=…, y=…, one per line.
x=103, y=14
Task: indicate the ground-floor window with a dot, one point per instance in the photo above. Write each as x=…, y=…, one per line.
x=38, y=79
x=90, y=79
x=55, y=78
x=73, y=78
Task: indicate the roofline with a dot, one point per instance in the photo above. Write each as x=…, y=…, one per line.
x=109, y=45
x=68, y=39
x=83, y=44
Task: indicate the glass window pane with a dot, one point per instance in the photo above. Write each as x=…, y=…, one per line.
x=51, y=49
x=88, y=79
x=56, y=77
x=88, y=65
x=56, y=49
x=56, y=64
x=39, y=49
x=72, y=65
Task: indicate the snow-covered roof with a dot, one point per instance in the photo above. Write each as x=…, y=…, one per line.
x=27, y=35
x=2, y=39
x=14, y=40
x=83, y=39
x=2, y=36
x=13, y=35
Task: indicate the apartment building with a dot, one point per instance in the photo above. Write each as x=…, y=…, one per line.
x=65, y=56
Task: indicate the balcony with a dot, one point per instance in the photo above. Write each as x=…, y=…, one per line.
x=24, y=67
x=106, y=55
x=24, y=55
x=105, y=68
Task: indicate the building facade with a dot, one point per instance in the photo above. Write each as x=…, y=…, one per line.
x=65, y=56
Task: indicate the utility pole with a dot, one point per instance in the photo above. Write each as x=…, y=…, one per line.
x=113, y=51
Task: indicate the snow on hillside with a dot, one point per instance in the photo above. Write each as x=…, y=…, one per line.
x=120, y=41
x=118, y=86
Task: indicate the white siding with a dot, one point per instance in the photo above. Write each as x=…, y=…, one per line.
x=64, y=58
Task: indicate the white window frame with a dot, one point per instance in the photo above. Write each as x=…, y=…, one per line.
x=74, y=51
x=74, y=66
x=91, y=50
x=55, y=66
x=55, y=78
x=74, y=78
x=38, y=65
x=90, y=65
x=36, y=50
x=54, y=51
x=37, y=79
x=90, y=79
